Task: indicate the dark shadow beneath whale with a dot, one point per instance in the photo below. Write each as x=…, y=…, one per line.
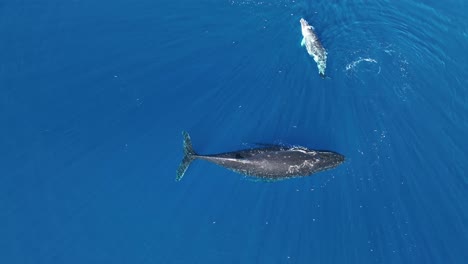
x=271, y=162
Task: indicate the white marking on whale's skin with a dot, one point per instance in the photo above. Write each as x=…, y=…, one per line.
x=313, y=46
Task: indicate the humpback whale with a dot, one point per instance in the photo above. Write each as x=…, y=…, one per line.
x=313, y=46
x=268, y=162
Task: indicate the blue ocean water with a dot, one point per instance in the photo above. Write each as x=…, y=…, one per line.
x=94, y=96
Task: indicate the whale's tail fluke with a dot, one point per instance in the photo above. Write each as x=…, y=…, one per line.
x=324, y=77
x=189, y=156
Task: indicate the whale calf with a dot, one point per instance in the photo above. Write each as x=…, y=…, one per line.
x=269, y=162
x=313, y=46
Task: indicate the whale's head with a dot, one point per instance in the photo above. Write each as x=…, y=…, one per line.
x=328, y=159
x=307, y=29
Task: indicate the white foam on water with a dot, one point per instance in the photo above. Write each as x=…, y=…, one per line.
x=353, y=64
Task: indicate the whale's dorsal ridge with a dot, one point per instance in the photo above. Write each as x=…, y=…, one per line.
x=269, y=145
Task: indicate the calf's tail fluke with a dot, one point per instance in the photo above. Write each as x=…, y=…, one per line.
x=189, y=156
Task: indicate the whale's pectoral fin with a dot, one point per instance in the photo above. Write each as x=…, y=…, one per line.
x=303, y=42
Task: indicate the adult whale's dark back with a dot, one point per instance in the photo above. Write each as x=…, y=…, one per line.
x=272, y=162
